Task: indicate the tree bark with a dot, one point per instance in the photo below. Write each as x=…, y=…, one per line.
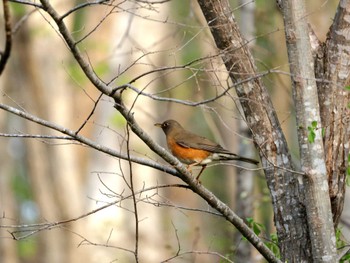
x=290, y=218
x=314, y=184
x=332, y=67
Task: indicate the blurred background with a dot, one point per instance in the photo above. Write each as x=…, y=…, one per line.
x=167, y=48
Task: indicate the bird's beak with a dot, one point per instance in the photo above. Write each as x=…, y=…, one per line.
x=158, y=125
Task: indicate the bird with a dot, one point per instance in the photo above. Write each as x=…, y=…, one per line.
x=196, y=150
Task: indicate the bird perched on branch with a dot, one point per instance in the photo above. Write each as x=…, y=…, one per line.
x=192, y=149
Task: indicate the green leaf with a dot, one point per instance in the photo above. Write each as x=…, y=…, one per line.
x=345, y=258
x=338, y=236
x=273, y=245
x=312, y=134
x=249, y=221
x=255, y=226
x=256, y=229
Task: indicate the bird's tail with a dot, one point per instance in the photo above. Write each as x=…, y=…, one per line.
x=229, y=157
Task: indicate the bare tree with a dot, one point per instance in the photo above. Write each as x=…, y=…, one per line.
x=304, y=195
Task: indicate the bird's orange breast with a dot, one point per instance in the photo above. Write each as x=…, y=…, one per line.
x=187, y=155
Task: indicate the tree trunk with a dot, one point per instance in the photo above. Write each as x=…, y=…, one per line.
x=290, y=218
x=332, y=65
x=314, y=184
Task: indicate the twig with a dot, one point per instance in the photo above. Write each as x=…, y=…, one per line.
x=36, y=228
x=184, y=174
x=27, y=3
x=87, y=141
x=91, y=113
x=35, y=136
x=83, y=5
x=134, y=201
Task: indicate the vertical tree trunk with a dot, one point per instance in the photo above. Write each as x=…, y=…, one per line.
x=332, y=65
x=314, y=184
x=290, y=219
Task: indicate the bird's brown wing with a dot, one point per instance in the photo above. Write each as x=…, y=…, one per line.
x=190, y=140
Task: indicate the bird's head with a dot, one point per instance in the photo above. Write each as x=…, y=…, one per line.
x=169, y=126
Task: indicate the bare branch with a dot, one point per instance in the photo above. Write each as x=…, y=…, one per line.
x=186, y=102
x=90, y=115
x=24, y=2
x=36, y=228
x=85, y=66
x=35, y=136
x=136, y=215
x=88, y=142
x=187, y=177
x=83, y=5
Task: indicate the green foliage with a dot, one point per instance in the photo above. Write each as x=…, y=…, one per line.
x=21, y=187
x=18, y=10
x=339, y=241
x=255, y=226
x=345, y=258
x=341, y=244
x=312, y=134
x=28, y=249
x=271, y=243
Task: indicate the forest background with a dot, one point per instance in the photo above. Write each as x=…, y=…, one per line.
x=65, y=201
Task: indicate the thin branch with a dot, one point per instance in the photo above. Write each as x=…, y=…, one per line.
x=27, y=3
x=186, y=102
x=91, y=113
x=83, y=5
x=22, y=20
x=85, y=66
x=36, y=228
x=206, y=101
x=95, y=27
x=222, y=257
x=88, y=142
x=197, y=188
x=184, y=174
x=35, y=136
x=134, y=201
